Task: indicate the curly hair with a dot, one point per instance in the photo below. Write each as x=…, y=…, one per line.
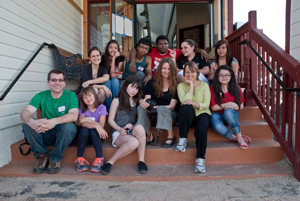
x=158, y=79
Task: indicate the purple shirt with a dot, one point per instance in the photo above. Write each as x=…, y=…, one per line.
x=95, y=116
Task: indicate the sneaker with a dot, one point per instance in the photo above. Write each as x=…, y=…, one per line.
x=81, y=164
x=200, y=165
x=53, y=167
x=105, y=168
x=143, y=169
x=97, y=164
x=181, y=145
x=41, y=164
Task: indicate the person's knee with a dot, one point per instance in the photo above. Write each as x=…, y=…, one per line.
x=133, y=143
x=139, y=131
x=218, y=126
x=142, y=111
x=115, y=82
x=28, y=131
x=107, y=84
x=160, y=109
x=229, y=113
x=185, y=109
x=68, y=130
x=101, y=92
x=140, y=75
x=84, y=132
x=26, y=128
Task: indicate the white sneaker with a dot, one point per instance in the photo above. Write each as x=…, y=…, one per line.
x=200, y=165
x=181, y=145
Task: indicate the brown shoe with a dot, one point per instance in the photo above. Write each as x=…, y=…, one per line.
x=53, y=167
x=42, y=162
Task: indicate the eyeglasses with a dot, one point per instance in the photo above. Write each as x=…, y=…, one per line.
x=144, y=47
x=225, y=76
x=55, y=80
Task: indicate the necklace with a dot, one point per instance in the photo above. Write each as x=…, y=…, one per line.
x=139, y=61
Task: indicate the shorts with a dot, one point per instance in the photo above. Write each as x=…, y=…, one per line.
x=115, y=135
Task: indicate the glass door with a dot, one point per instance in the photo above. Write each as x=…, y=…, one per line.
x=102, y=22
x=99, y=21
x=124, y=8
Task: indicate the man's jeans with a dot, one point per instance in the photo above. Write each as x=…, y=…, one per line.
x=60, y=137
x=231, y=117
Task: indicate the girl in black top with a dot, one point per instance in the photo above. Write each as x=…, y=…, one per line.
x=188, y=54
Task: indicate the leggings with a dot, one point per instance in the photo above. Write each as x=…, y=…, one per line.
x=83, y=139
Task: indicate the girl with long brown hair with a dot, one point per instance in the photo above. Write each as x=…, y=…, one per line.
x=127, y=134
x=163, y=90
x=223, y=57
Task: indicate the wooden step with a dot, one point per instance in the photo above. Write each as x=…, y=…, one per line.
x=224, y=159
x=128, y=173
x=259, y=151
x=253, y=129
x=250, y=114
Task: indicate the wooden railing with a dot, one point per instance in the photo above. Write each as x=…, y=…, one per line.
x=280, y=107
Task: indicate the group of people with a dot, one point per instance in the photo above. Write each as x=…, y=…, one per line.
x=176, y=80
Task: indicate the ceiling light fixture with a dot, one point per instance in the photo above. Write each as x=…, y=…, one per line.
x=144, y=13
x=146, y=26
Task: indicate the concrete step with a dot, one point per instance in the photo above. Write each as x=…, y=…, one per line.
x=259, y=151
x=127, y=173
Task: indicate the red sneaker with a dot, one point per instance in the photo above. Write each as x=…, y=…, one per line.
x=81, y=164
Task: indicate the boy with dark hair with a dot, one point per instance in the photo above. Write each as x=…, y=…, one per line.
x=161, y=51
x=142, y=61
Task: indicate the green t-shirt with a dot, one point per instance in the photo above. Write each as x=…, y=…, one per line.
x=52, y=108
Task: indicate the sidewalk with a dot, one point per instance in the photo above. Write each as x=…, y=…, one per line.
x=33, y=189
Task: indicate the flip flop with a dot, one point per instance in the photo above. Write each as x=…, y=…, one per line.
x=246, y=139
x=245, y=146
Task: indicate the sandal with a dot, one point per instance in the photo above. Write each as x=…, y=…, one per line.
x=243, y=146
x=151, y=141
x=166, y=145
x=246, y=139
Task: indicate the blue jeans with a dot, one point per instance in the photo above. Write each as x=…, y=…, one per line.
x=113, y=85
x=60, y=137
x=231, y=117
x=83, y=138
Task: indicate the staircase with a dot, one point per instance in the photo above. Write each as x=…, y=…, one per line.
x=224, y=159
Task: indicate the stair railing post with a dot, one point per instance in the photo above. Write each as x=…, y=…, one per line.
x=297, y=132
x=253, y=57
x=250, y=63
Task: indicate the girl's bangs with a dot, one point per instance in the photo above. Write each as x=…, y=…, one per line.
x=136, y=85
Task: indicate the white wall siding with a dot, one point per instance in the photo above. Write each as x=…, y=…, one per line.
x=295, y=30
x=25, y=25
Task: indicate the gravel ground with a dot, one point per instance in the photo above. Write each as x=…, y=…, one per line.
x=33, y=189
